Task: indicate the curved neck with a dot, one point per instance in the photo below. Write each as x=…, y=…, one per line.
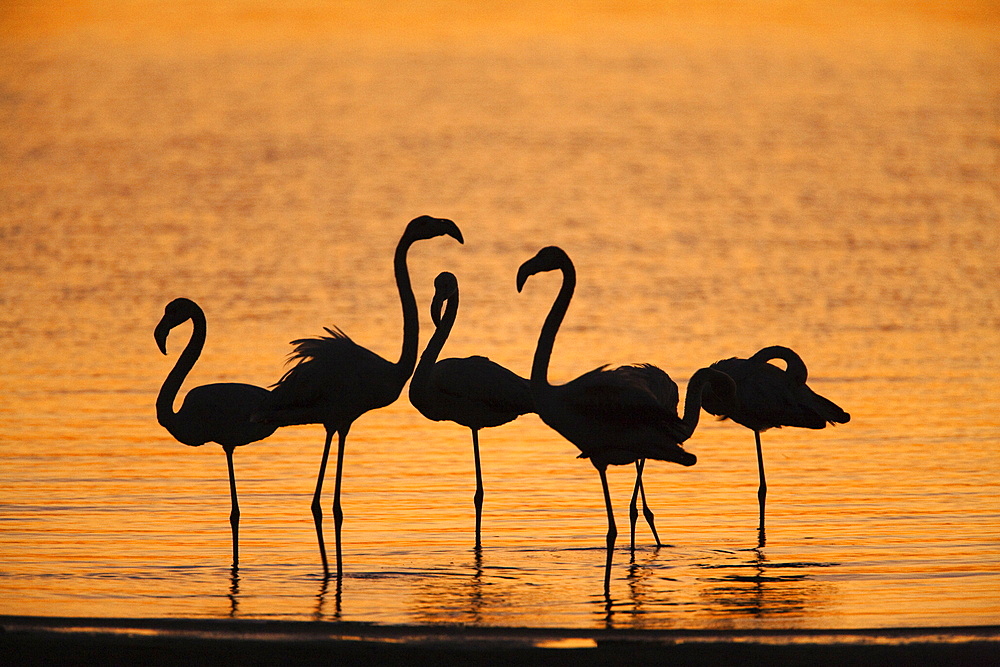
x=168, y=392
x=437, y=341
x=411, y=319
x=547, y=338
x=693, y=398
x=794, y=366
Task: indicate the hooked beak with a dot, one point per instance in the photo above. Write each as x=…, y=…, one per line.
x=160, y=334
x=436, y=305
x=454, y=232
x=522, y=275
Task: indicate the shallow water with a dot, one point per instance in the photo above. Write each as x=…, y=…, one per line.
x=824, y=180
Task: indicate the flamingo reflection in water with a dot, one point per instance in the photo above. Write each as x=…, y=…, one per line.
x=474, y=392
x=769, y=397
x=335, y=380
x=612, y=416
x=219, y=412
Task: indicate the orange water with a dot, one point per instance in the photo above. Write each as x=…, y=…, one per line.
x=814, y=176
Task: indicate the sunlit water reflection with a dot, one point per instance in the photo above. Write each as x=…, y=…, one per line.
x=718, y=191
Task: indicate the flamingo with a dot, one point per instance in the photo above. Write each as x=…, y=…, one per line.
x=335, y=380
x=613, y=416
x=217, y=412
x=474, y=392
x=769, y=397
x=663, y=389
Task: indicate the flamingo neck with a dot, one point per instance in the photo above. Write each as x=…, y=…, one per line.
x=794, y=366
x=411, y=319
x=436, y=343
x=693, y=399
x=165, y=414
x=547, y=337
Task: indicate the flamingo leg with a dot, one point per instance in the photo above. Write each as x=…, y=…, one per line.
x=646, y=512
x=477, y=499
x=612, y=530
x=633, y=510
x=234, y=515
x=762, y=489
x=317, y=511
x=338, y=513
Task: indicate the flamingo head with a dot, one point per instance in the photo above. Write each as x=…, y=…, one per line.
x=548, y=258
x=427, y=227
x=683, y=457
x=719, y=393
x=445, y=287
x=176, y=312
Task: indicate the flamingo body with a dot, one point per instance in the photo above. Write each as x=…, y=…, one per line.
x=334, y=381
x=474, y=392
x=770, y=397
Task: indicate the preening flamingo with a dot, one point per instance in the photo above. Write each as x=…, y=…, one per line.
x=335, y=380
x=612, y=418
x=210, y=413
x=474, y=392
x=663, y=389
x=769, y=397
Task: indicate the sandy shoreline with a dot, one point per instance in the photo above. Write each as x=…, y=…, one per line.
x=41, y=640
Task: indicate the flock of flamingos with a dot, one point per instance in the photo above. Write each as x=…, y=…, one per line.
x=614, y=416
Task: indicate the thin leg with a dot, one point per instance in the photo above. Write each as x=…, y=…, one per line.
x=234, y=515
x=633, y=510
x=338, y=513
x=646, y=512
x=612, y=531
x=762, y=489
x=317, y=511
x=478, y=498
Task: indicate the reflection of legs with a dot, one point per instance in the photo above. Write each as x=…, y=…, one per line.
x=338, y=513
x=234, y=590
x=317, y=511
x=646, y=512
x=762, y=489
x=234, y=515
x=477, y=500
x=612, y=529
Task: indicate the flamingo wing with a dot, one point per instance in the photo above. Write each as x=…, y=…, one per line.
x=612, y=396
x=221, y=413
x=483, y=381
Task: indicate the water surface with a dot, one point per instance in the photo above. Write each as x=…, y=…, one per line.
x=823, y=180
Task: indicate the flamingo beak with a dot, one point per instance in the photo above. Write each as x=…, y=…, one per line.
x=160, y=334
x=522, y=275
x=436, y=305
x=453, y=231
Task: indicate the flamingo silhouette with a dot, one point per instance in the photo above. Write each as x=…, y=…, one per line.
x=335, y=380
x=217, y=412
x=656, y=383
x=769, y=397
x=613, y=416
x=474, y=392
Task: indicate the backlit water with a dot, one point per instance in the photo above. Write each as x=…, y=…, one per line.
x=823, y=179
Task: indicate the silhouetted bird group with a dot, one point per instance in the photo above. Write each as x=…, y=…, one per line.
x=614, y=416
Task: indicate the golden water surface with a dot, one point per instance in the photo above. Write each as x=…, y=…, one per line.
x=725, y=176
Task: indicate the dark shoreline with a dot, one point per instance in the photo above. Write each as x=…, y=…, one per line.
x=31, y=640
